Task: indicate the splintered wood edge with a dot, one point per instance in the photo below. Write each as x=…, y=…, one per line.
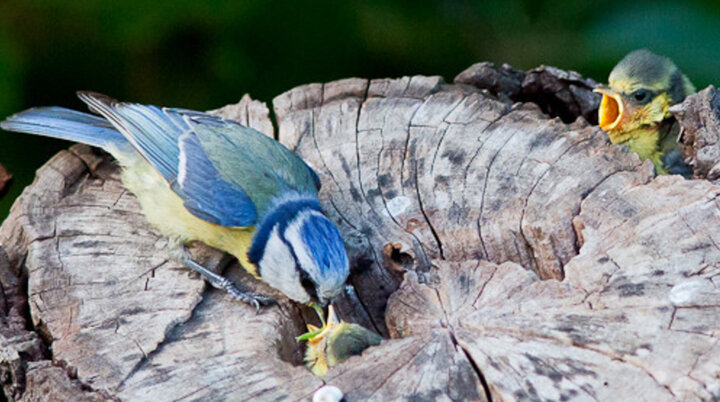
x=699, y=118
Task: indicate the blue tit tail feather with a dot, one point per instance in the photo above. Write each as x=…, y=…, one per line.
x=66, y=124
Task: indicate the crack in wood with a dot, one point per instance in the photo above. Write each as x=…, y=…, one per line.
x=435, y=234
x=167, y=338
x=484, y=192
x=382, y=196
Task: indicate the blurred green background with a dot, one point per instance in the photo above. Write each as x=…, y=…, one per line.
x=203, y=55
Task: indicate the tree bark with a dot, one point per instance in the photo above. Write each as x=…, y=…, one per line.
x=497, y=240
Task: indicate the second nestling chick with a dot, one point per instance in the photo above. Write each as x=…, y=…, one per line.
x=634, y=109
x=335, y=342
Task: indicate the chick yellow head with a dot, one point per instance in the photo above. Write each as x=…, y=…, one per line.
x=335, y=342
x=642, y=87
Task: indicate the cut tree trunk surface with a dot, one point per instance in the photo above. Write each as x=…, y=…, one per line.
x=497, y=240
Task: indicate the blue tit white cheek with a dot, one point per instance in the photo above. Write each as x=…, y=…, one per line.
x=277, y=267
x=320, y=251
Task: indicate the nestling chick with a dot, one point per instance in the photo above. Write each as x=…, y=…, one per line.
x=634, y=108
x=199, y=177
x=335, y=342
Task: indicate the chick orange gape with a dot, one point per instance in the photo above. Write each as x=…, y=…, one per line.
x=634, y=109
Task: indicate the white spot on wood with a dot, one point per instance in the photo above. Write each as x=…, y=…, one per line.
x=398, y=205
x=328, y=393
x=442, y=199
x=690, y=292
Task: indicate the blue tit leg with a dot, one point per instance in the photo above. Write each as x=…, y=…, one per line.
x=220, y=282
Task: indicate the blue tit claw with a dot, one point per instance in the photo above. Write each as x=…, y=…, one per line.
x=220, y=282
x=254, y=299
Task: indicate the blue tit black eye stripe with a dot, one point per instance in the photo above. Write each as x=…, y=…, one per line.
x=282, y=215
x=307, y=283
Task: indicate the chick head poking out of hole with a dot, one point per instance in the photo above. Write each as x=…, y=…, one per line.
x=634, y=107
x=335, y=342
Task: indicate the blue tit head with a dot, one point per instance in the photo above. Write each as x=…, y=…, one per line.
x=298, y=251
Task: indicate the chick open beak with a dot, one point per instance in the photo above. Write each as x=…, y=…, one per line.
x=613, y=112
x=315, y=334
x=330, y=323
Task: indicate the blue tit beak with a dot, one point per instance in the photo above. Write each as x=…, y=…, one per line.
x=324, y=300
x=332, y=318
x=319, y=311
x=332, y=298
x=327, y=324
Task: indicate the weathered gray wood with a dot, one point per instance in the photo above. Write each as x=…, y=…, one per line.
x=50, y=382
x=699, y=118
x=507, y=255
x=565, y=94
x=621, y=325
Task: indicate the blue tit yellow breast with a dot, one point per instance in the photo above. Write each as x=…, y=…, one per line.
x=165, y=210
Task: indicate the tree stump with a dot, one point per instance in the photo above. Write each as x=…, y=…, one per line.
x=500, y=244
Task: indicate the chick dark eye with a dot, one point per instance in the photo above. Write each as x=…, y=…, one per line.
x=640, y=95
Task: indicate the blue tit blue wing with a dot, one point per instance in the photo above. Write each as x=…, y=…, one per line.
x=248, y=159
x=66, y=124
x=224, y=172
x=152, y=132
x=205, y=193
x=165, y=139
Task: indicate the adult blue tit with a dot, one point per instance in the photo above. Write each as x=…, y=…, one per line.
x=634, y=109
x=199, y=177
